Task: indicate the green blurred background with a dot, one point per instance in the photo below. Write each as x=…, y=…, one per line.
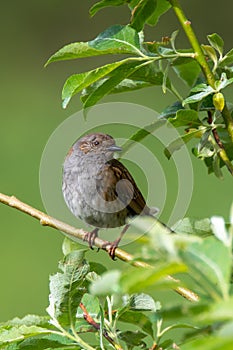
x=31, y=110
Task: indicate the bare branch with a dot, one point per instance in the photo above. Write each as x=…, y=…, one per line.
x=47, y=220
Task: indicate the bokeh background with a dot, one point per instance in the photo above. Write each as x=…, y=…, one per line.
x=31, y=110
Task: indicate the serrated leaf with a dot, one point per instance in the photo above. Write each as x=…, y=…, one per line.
x=141, y=13
x=187, y=69
x=143, y=302
x=185, y=117
x=105, y=3
x=28, y=320
x=199, y=227
x=19, y=333
x=47, y=342
x=65, y=288
x=181, y=141
x=217, y=42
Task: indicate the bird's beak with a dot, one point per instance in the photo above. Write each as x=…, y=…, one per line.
x=114, y=148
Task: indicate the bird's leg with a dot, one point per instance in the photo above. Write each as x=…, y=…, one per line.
x=113, y=245
x=90, y=237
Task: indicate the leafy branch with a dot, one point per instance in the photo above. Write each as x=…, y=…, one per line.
x=205, y=70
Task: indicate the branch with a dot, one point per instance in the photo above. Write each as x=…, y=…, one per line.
x=47, y=220
x=96, y=325
x=200, y=57
x=222, y=153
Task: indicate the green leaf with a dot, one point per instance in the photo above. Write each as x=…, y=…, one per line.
x=28, y=320
x=227, y=59
x=117, y=39
x=217, y=166
x=124, y=39
x=45, y=342
x=133, y=339
x=217, y=312
x=140, y=134
x=162, y=7
x=141, y=13
x=105, y=3
x=143, y=77
x=141, y=279
x=219, y=230
x=117, y=75
x=223, y=82
x=205, y=91
x=92, y=305
x=185, y=117
x=209, y=264
x=187, y=69
x=216, y=42
x=211, y=53
x=77, y=82
x=137, y=318
x=199, y=227
x=107, y=284
x=171, y=110
x=143, y=302
x=20, y=333
x=66, y=288
x=209, y=343
x=181, y=141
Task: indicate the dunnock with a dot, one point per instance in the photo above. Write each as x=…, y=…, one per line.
x=98, y=188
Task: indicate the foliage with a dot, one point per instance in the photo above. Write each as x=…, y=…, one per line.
x=126, y=309
x=206, y=71
x=91, y=308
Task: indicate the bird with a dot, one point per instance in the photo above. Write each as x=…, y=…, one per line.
x=99, y=189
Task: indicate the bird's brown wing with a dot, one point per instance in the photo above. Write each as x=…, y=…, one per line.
x=110, y=186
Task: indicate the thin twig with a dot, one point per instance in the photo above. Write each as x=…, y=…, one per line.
x=47, y=220
x=221, y=153
x=96, y=325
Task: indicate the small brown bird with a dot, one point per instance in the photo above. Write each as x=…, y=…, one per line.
x=98, y=188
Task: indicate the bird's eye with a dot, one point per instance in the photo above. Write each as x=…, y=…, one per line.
x=96, y=143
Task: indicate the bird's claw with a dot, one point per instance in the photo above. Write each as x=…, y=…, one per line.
x=90, y=237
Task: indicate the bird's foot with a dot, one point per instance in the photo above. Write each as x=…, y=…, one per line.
x=111, y=247
x=90, y=237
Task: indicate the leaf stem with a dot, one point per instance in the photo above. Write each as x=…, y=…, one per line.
x=47, y=220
